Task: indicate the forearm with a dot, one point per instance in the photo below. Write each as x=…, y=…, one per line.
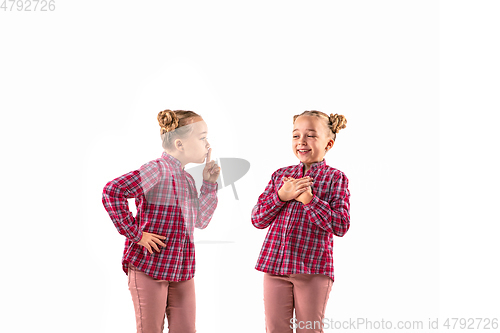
x=207, y=203
x=334, y=220
x=121, y=216
x=266, y=210
x=130, y=185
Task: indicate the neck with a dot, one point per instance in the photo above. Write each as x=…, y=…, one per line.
x=307, y=166
x=178, y=156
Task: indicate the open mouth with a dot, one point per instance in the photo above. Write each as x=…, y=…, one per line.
x=303, y=151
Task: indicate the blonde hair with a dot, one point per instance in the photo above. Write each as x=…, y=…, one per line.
x=334, y=122
x=173, y=125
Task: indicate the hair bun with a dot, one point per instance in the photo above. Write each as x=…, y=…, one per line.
x=168, y=121
x=337, y=122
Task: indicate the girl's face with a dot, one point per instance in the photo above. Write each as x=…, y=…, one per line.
x=196, y=145
x=310, y=139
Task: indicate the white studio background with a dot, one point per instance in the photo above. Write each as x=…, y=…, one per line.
x=417, y=81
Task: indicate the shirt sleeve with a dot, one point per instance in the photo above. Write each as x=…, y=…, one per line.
x=333, y=216
x=268, y=205
x=130, y=185
x=208, y=203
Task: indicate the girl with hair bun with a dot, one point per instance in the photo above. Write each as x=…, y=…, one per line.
x=304, y=206
x=159, y=256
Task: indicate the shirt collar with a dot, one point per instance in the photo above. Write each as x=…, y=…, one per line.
x=314, y=167
x=172, y=161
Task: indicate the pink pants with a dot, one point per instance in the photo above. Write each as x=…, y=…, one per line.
x=307, y=293
x=154, y=298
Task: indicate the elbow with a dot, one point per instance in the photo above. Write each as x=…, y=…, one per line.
x=203, y=222
x=108, y=189
x=202, y=226
x=340, y=233
x=257, y=223
x=106, y=193
x=342, y=229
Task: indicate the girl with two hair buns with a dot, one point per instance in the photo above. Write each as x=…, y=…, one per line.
x=304, y=206
x=159, y=254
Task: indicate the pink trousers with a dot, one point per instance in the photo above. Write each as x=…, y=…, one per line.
x=154, y=298
x=307, y=293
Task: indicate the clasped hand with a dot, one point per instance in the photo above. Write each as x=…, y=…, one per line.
x=298, y=189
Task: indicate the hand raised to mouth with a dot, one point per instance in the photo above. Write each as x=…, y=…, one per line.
x=211, y=170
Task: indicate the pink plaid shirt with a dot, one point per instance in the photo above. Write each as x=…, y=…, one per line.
x=300, y=237
x=167, y=204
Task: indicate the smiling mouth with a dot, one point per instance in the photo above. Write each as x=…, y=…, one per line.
x=303, y=151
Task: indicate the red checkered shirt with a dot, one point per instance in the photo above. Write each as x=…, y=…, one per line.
x=167, y=204
x=300, y=237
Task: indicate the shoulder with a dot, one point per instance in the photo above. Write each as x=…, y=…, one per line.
x=337, y=179
x=153, y=164
x=155, y=168
x=335, y=173
x=284, y=171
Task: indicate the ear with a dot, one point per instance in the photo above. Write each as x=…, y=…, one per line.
x=178, y=145
x=329, y=144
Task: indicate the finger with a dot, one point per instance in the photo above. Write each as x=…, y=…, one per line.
x=300, y=189
x=155, y=246
x=304, y=181
x=296, y=185
x=301, y=186
x=209, y=154
x=158, y=236
x=157, y=241
x=149, y=248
